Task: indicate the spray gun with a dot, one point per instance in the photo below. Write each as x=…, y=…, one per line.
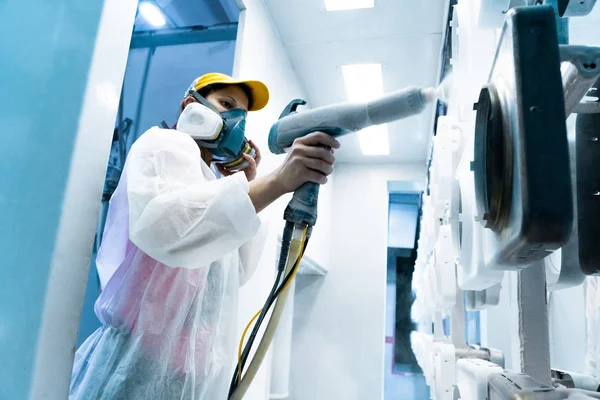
x=301, y=212
x=338, y=120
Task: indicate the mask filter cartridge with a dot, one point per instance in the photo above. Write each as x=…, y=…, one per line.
x=200, y=122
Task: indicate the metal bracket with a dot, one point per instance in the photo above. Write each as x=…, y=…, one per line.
x=574, y=380
x=562, y=267
x=188, y=35
x=527, y=79
x=587, y=107
x=588, y=189
x=510, y=386
x=575, y=8
x=482, y=299
x=580, y=69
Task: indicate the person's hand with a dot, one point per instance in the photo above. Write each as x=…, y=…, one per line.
x=310, y=159
x=252, y=167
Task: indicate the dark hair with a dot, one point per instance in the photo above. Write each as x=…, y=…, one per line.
x=216, y=87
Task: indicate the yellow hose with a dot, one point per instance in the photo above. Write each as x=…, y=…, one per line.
x=295, y=256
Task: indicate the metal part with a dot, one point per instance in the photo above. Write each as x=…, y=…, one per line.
x=481, y=353
x=470, y=352
x=575, y=8
x=457, y=317
x=140, y=103
x=531, y=101
x=562, y=24
x=587, y=107
x=492, y=163
x=188, y=35
x=588, y=188
x=573, y=380
x=455, y=222
x=562, y=267
x=509, y=386
x=534, y=330
x=496, y=357
x=516, y=3
x=580, y=69
x=482, y=299
x=472, y=377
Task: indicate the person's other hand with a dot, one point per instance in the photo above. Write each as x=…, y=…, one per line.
x=310, y=159
x=252, y=167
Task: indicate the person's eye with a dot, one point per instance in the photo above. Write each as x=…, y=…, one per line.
x=226, y=104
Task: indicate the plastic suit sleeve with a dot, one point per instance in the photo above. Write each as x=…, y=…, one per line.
x=250, y=254
x=178, y=216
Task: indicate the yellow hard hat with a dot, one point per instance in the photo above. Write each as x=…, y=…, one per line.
x=259, y=91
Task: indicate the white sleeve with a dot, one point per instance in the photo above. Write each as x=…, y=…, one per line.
x=176, y=215
x=250, y=254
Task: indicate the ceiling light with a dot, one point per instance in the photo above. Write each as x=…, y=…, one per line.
x=152, y=14
x=339, y=5
x=374, y=141
x=364, y=83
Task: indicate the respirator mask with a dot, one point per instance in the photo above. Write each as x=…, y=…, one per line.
x=223, y=134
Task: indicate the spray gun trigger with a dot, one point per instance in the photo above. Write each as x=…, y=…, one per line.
x=292, y=107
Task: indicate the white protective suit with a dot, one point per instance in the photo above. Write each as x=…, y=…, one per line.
x=177, y=245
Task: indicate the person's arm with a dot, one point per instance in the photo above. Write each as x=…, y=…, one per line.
x=181, y=219
x=176, y=215
x=264, y=190
x=307, y=161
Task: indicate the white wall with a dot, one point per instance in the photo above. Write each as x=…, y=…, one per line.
x=52, y=158
x=261, y=55
x=339, y=320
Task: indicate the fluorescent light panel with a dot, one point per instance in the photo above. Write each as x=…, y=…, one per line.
x=364, y=82
x=339, y=5
x=152, y=14
x=374, y=141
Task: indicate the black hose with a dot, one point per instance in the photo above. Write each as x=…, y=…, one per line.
x=276, y=290
x=286, y=242
x=234, y=379
x=283, y=255
x=242, y=362
x=288, y=277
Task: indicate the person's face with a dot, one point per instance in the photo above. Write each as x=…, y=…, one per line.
x=229, y=98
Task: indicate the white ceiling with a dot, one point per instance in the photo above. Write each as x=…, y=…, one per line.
x=404, y=36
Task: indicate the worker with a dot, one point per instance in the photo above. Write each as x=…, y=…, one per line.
x=177, y=245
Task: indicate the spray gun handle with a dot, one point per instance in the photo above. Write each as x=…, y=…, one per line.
x=302, y=209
